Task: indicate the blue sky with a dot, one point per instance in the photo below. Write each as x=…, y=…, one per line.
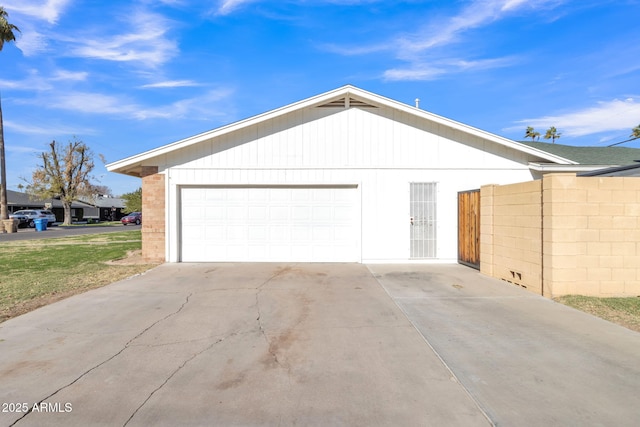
x=126, y=76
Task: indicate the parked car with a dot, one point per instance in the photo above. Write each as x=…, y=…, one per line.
x=132, y=218
x=26, y=217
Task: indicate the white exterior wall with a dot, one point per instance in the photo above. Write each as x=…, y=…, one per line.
x=381, y=150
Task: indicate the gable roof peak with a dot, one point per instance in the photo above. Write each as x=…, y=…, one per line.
x=132, y=165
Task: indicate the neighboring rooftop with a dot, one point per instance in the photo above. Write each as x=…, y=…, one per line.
x=613, y=156
x=626, y=170
x=104, y=201
x=16, y=198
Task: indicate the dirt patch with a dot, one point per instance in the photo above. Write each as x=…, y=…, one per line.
x=33, y=304
x=132, y=258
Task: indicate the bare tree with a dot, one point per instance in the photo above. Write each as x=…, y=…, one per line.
x=7, y=34
x=64, y=173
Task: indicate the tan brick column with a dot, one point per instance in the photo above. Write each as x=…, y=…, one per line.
x=153, y=214
x=486, y=229
x=565, y=212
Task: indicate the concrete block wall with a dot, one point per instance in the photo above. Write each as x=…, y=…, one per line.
x=514, y=238
x=486, y=229
x=583, y=235
x=153, y=214
x=591, y=235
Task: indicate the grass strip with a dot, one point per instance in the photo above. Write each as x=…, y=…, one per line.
x=623, y=311
x=38, y=272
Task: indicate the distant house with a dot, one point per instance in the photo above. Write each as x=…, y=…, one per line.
x=105, y=208
x=102, y=208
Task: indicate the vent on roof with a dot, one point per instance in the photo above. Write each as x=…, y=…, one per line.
x=346, y=103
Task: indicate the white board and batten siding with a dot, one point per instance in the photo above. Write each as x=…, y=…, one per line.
x=325, y=184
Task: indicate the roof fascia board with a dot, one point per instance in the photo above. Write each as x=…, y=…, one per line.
x=550, y=167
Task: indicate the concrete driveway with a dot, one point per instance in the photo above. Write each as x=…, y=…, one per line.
x=315, y=344
x=525, y=359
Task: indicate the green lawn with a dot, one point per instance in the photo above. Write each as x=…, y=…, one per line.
x=37, y=272
x=623, y=311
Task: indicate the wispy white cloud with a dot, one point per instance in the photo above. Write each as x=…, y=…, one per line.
x=171, y=83
x=28, y=16
x=45, y=130
x=32, y=81
x=606, y=116
x=139, y=36
x=32, y=42
x=90, y=103
x=422, y=51
x=69, y=75
x=431, y=71
x=356, y=50
x=35, y=80
x=475, y=14
x=46, y=10
x=145, y=43
x=225, y=7
x=200, y=107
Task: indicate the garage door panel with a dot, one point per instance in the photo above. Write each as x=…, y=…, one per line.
x=212, y=232
x=301, y=213
x=301, y=195
x=257, y=196
x=237, y=195
x=214, y=194
x=342, y=213
x=257, y=234
x=279, y=213
x=191, y=232
x=269, y=224
x=300, y=233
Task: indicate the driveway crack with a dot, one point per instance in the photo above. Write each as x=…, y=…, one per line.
x=209, y=347
x=85, y=373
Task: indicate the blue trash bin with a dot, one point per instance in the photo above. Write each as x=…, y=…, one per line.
x=41, y=224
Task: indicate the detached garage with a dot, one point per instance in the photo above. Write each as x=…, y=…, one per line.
x=345, y=176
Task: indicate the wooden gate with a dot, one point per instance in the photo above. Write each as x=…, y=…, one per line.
x=469, y=228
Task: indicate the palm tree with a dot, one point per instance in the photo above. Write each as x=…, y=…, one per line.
x=6, y=35
x=530, y=133
x=552, y=133
x=635, y=132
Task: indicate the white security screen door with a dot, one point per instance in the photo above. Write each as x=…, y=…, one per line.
x=422, y=210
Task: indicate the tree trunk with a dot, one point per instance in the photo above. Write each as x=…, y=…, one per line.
x=4, y=211
x=67, y=212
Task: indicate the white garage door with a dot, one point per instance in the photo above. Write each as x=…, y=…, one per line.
x=307, y=224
